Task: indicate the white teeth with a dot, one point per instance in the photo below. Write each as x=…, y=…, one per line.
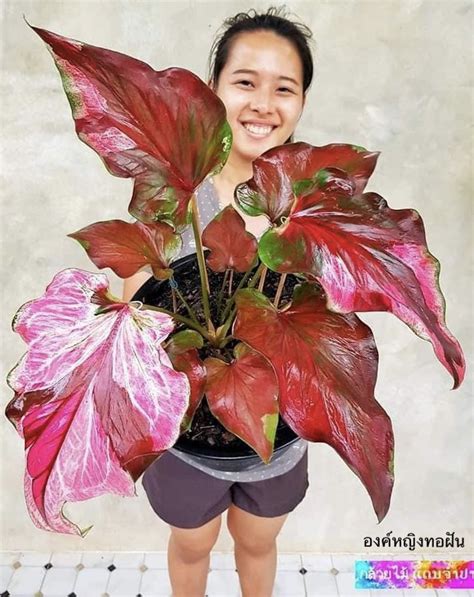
x=258, y=129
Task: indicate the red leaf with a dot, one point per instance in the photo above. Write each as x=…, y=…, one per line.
x=232, y=247
x=326, y=365
x=243, y=396
x=367, y=257
x=165, y=129
x=127, y=247
x=282, y=172
x=181, y=349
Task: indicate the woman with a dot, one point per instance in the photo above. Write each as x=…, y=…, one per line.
x=261, y=68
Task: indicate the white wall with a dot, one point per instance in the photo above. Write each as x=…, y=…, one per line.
x=391, y=76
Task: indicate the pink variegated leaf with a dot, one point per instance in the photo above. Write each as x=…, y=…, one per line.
x=126, y=247
x=232, y=247
x=287, y=171
x=96, y=397
x=165, y=129
x=367, y=257
x=326, y=366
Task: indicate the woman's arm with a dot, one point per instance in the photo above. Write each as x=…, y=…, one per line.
x=132, y=284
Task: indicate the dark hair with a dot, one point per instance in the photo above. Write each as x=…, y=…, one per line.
x=275, y=20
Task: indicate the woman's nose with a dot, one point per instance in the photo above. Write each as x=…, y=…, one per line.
x=262, y=101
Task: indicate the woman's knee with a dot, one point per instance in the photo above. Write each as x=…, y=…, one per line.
x=195, y=544
x=254, y=534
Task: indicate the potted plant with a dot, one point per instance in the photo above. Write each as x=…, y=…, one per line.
x=107, y=386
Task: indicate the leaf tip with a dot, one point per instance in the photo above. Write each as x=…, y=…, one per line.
x=82, y=241
x=83, y=532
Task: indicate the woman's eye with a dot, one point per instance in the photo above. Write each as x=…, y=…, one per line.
x=245, y=83
x=285, y=89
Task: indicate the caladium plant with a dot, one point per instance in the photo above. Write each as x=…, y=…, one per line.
x=106, y=387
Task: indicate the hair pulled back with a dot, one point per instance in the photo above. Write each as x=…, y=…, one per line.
x=275, y=20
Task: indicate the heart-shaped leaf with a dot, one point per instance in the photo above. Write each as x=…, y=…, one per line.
x=126, y=247
x=182, y=350
x=165, y=129
x=243, y=396
x=96, y=397
x=284, y=172
x=232, y=247
x=326, y=366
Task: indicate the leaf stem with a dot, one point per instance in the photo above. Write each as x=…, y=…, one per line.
x=281, y=284
x=226, y=325
x=173, y=296
x=189, y=309
x=221, y=291
x=232, y=298
x=201, y=262
x=189, y=322
x=261, y=283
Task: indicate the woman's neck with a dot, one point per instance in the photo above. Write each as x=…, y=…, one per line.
x=233, y=173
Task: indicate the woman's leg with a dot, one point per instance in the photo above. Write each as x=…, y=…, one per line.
x=255, y=550
x=188, y=557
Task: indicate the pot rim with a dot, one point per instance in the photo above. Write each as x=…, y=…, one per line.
x=245, y=457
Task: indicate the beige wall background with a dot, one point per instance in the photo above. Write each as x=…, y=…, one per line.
x=392, y=76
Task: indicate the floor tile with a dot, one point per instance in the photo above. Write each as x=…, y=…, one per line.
x=124, y=582
x=91, y=581
x=59, y=581
x=156, y=559
x=289, y=561
x=97, y=559
x=289, y=583
x=345, y=562
x=452, y=593
x=345, y=582
x=6, y=572
x=320, y=584
x=414, y=593
x=316, y=562
x=130, y=559
x=26, y=579
x=223, y=582
x=34, y=558
x=222, y=561
x=8, y=557
x=155, y=582
x=399, y=593
x=67, y=559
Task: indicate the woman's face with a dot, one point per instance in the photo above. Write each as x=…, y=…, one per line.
x=261, y=86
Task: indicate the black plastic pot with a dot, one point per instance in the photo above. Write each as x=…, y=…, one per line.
x=154, y=292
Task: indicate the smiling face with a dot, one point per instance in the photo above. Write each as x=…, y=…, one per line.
x=261, y=86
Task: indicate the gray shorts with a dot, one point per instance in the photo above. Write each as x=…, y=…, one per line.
x=186, y=497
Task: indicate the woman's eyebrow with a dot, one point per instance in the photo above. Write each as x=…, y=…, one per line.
x=248, y=71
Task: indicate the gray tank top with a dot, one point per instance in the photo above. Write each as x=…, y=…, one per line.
x=283, y=460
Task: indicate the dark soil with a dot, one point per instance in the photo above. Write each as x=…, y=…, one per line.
x=206, y=434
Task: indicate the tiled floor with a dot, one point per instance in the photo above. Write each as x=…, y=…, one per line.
x=93, y=574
